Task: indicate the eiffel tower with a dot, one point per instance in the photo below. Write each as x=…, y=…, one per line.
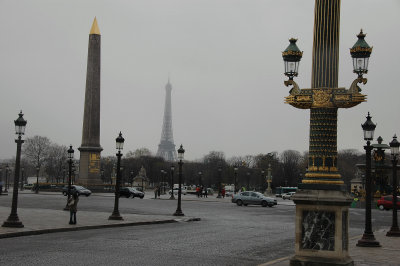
x=166, y=148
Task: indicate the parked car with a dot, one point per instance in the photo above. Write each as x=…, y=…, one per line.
x=386, y=203
x=288, y=195
x=130, y=192
x=253, y=198
x=183, y=191
x=81, y=190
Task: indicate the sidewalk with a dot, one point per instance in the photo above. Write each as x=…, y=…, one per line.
x=42, y=221
x=387, y=255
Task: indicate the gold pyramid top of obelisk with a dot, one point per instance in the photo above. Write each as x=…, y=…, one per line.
x=95, y=28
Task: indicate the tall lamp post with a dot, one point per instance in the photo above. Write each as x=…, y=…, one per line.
x=119, y=145
x=22, y=178
x=13, y=220
x=181, y=152
x=368, y=238
x=219, y=182
x=70, y=161
x=394, y=148
x=172, y=182
x=235, y=170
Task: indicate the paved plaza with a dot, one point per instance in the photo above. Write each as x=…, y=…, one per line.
x=38, y=221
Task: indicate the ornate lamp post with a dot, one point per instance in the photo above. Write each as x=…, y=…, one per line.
x=235, y=172
x=70, y=161
x=13, y=220
x=119, y=145
x=322, y=194
x=181, y=152
x=219, y=182
x=394, y=148
x=368, y=238
x=172, y=182
x=22, y=178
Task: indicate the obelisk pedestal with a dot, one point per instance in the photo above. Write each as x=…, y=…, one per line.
x=90, y=149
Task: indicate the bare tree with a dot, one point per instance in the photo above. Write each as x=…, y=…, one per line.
x=138, y=153
x=36, y=150
x=290, y=160
x=56, y=159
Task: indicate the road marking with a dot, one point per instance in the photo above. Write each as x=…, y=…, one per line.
x=274, y=261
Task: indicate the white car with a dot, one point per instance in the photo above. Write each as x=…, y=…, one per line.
x=288, y=195
x=183, y=191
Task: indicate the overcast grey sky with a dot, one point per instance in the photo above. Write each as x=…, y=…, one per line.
x=225, y=63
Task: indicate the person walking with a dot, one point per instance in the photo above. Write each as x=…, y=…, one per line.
x=73, y=207
x=155, y=192
x=223, y=193
x=205, y=192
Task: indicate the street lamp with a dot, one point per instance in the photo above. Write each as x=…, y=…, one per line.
x=360, y=52
x=119, y=145
x=172, y=182
x=13, y=220
x=368, y=238
x=235, y=180
x=219, y=182
x=181, y=152
x=394, y=148
x=291, y=57
x=70, y=161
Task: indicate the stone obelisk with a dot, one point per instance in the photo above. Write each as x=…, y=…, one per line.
x=89, y=165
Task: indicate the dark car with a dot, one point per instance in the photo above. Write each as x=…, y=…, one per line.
x=386, y=203
x=81, y=190
x=253, y=198
x=130, y=191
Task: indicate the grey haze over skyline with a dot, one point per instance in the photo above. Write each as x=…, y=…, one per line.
x=225, y=64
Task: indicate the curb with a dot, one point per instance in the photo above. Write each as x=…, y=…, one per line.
x=90, y=227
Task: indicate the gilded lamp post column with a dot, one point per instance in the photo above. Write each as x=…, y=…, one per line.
x=322, y=201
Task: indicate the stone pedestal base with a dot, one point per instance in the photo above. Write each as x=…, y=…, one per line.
x=89, y=167
x=322, y=228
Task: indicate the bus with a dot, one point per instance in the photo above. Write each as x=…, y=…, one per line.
x=282, y=190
